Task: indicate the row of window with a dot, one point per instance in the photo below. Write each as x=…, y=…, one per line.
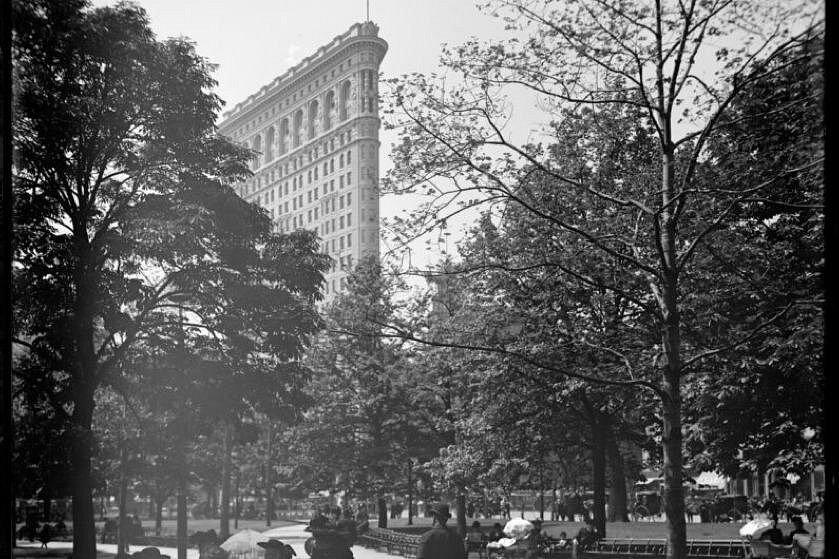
x=289, y=134
x=280, y=171
x=321, y=80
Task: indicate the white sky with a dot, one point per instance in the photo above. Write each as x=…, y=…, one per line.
x=254, y=41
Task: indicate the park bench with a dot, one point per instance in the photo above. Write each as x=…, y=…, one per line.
x=657, y=548
x=391, y=542
x=769, y=550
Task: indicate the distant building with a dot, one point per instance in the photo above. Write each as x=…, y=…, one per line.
x=316, y=129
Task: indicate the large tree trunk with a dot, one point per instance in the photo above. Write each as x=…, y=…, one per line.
x=81, y=423
x=269, y=476
x=123, y=529
x=410, y=493
x=461, y=514
x=674, y=505
x=181, y=522
x=158, y=515
x=617, y=492
x=598, y=459
x=236, y=501
x=224, y=517
x=381, y=506
x=600, y=426
x=84, y=527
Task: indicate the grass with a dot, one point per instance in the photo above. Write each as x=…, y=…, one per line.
x=641, y=530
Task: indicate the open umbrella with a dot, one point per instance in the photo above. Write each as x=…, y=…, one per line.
x=518, y=528
x=243, y=542
x=754, y=528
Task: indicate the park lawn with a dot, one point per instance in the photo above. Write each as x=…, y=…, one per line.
x=37, y=553
x=642, y=530
x=204, y=524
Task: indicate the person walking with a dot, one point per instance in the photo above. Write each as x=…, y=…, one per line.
x=441, y=542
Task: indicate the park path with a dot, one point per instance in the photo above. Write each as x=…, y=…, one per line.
x=293, y=535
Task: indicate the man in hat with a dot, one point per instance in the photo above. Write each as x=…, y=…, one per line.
x=275, y=549
x=441, y=542
x=798, y=524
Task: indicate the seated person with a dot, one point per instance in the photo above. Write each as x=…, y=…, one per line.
x=798, y=528
x=496, y=533
x=537, y=536
x=587, y=534
x=319, y=520
x=474, y=534
x=563, y=540
x=773, y=534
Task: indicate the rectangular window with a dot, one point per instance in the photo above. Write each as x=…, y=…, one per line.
x=316, y=213
x=332, y=185
x=349, y=178
x=309, y=175
x=341, y=223
x=341, y=246
x=349, y=199
x=341, y=203
x=349, y=156
x=316, y=172
x=349, y=240
x=341, y=181
x=333, y=245
x=285, y=207
x=349, y=219
x=333, y=224
x=316, y=192
x=294, y=203
x=325, y=167
x=310, y=216
x=332, y=165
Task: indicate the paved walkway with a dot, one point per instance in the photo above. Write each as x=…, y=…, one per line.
x=293, y=535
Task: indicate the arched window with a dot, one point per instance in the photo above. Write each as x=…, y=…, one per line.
x=328, y=107
x=297, y=128
x=283, y=136
x=269, y=144
x=257, y=147
x=344, y=101
x=313, y=119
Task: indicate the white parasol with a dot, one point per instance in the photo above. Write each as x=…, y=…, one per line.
x=518, y=528
x=755, y=528
x=243, y=542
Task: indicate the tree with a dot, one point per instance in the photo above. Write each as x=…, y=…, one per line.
x=358, y=434
x=586, y=59
x=127, y=216
x=777, y=124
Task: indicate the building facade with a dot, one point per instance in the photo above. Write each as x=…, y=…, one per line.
x=316, y=131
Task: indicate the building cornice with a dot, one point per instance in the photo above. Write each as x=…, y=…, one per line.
x=366, y=32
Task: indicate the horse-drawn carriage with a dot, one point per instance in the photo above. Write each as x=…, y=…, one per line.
x=730, y=508
x=647, y=505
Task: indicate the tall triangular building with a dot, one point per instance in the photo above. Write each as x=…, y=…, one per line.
x=316, y=128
